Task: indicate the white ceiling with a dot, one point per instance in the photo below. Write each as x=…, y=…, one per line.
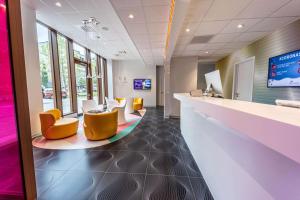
x=144, y=36
x=67, y=19
x=220, y=18
x=148, y=28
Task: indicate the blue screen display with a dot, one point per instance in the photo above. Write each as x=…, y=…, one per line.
x=142, y=84
x=284, y=70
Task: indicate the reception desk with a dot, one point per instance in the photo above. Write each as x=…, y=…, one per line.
x=244, y=150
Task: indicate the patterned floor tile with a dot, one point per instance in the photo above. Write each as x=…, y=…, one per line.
x=114, y=186
x=167, y=188
x=200, y=189
x=152, y=163
x=73, y=185
x=167, y=164
x=96, y=161
x=130, y=162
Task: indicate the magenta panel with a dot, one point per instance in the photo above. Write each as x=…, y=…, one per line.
x=11, y=185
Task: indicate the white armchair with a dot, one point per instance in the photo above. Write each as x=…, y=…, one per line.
x=111, y=103
x=121, y=112
x=129, y=106
x=88, y=105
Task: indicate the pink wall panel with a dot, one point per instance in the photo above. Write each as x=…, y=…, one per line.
x=10, y=168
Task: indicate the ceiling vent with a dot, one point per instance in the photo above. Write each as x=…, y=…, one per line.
x=201, y=39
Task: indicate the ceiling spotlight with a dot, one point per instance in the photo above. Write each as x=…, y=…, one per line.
x=105, y=28
x=93, y=20
x=187, y=30
x=130, y=16
x=90, y=21
x=122, y=52
x=85, y=21
x=58, y=4
x=206, y=52
x=240, y=26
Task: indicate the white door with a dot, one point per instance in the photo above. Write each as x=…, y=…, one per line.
x=243, y=80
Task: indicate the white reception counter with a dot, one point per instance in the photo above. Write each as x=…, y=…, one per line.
x=244, y=150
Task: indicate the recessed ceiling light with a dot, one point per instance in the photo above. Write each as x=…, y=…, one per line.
x=206, y=52
x=187, y=30
x=240, y=25
x=58, y=4
x=130, y=16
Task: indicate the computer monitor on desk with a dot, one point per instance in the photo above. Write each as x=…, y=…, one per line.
x=213, y=80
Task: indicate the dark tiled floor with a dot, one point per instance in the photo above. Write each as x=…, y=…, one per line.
x=152, y=163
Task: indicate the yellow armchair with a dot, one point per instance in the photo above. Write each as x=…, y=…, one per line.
x=100, y=126
x=53, y=126
x=119, y=100
x=138, y=104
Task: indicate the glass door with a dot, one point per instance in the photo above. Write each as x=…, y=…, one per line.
x=81, y=84
x=95, y=79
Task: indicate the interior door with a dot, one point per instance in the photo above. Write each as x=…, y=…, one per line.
x=81, y=85
x=161, y=87
x=243, y=84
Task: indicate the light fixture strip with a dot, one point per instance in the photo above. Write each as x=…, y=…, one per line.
x=172, y=8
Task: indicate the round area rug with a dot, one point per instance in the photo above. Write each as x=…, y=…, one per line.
x=79, y=140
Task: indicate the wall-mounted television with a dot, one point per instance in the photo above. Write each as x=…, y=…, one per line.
x=284, y=70
x=142, y=84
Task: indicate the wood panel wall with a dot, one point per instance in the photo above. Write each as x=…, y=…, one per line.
x=284, y=40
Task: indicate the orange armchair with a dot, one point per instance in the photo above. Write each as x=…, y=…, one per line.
x=138, y=104
x=100, y=126
x=54, y=127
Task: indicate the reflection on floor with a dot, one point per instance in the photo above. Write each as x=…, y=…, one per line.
x=151, y=163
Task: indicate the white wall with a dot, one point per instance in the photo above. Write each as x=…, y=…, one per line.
x=32, y=66
x=167, y=88
x=183, y=78
x=131, y=69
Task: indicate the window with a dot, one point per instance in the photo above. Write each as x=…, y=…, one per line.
x=81, y=84
x=64, y=71
x=102, y=79
x=45, y=67
x=79, y=52
x=95, y=73
x=63, y=81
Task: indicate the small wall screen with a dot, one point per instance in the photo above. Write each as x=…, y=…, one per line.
x=284, y=70
x=142, y=84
